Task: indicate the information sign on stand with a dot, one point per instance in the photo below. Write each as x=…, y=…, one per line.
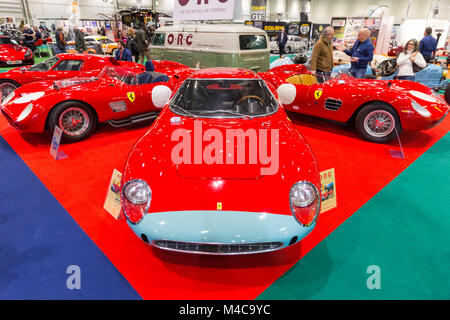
x=112, y=200
x=55, y=152
x=328, y=182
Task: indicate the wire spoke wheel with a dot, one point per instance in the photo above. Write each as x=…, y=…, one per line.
x=379, y=123
x=6, y=88
x=74, y=121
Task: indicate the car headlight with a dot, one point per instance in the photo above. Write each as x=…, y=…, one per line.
x=28, y=97
x=8, y=98
x=422, y=96
x=136, y=197
x=304, y=201
x=420, y=110
x=25, y=112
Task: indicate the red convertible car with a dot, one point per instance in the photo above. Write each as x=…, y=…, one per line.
x=61, y=66
x=377, y=108
x=201, y=179
x=116, y=95
x=12, y=54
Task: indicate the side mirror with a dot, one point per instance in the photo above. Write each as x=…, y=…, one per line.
x=286, y=93
x=160, y=95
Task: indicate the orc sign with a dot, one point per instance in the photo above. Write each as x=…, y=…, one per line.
x=185, y=2
x=179, y=37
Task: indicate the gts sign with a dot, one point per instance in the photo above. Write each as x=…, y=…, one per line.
x=199, y=2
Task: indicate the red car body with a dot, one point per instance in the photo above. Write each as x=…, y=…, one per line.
x=87, y=65
x=219, y=208
x=116, y=95
x=404, y=105
x=12, y=54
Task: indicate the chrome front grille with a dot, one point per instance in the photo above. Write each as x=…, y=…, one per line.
x=217, y=248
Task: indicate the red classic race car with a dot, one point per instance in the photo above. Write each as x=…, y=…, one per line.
x=377, y=108
x=223, y=138
x=116, y=95
x=61, y=66
x=12, y=54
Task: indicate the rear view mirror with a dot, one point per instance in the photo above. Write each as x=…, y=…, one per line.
x=160, y=95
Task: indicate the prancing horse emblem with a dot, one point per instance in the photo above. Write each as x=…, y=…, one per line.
x=131, y=96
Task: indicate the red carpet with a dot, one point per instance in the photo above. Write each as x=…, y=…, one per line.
x=80, y=182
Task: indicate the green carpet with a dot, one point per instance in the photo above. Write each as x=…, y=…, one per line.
x=404, y=231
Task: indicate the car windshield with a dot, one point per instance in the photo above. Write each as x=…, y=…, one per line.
x=224, y=98
x=45, y=65
x=8, y=41
x=119, y=74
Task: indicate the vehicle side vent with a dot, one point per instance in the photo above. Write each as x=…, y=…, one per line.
x=332, y=104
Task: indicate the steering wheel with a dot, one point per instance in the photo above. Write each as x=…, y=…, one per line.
x=260, y=101
x=113, y=74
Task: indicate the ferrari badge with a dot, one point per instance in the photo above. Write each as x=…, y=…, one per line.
x=131, y=96
x=317, y=94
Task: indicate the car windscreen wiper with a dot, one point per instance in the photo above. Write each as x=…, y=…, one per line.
x=183, y=110
x=226, y=111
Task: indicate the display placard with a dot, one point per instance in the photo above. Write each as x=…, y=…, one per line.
x=112, y=200
x=258, y=10
x=273, y=28
x=328, y=182
x=55, y=152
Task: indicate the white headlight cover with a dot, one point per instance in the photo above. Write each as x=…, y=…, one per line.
x=137, y=191
x=25, y=112
x=28, y=97
x=422, y=96
x=420, y=110
x=8, y=98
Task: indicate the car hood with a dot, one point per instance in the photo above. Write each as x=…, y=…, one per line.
x=186, y=186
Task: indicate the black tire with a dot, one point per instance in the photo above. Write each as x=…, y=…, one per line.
x=70, y=109
x=447, y=94
x=364, y=122
x=4, y=85
x=288, y=49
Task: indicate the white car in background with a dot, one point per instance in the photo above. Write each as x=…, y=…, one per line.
x=293, y=44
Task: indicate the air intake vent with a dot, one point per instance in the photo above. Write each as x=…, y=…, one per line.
x=216, y=248
x=332, y=104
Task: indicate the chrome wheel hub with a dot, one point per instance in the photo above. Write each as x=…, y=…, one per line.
x=379, y=123
x=74, y=121
x=6, y=89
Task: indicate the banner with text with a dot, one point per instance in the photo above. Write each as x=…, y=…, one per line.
x=203, y=10
x=258, y=10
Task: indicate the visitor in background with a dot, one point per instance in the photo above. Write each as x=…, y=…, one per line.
x=37, y=34
x=28, y=35
x=428, y=45
x=122, y=53
x=282, y=40
x=131, y=44
x=322, y=54
x=141, y=43
x=60, y=41
x=361, y=54
x=407, y=58
x=80, y=43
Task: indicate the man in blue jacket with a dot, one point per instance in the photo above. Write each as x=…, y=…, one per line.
x=427, y=45
x=361, y=54
x=122, y=53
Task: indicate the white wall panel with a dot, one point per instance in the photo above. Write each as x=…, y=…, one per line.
x=12, y=8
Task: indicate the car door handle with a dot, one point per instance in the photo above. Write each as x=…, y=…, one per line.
x=111, y=84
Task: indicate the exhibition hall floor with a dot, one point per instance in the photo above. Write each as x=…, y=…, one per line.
x=391, y=213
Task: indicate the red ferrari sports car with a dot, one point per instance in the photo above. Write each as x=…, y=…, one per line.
x=116, y=95
x=378, y=108
x=201, y=179
x=61, y=66
x=12, y=54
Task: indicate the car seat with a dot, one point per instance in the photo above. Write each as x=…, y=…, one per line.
x=144, y=78
x=304, y=79
x=149, y=66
